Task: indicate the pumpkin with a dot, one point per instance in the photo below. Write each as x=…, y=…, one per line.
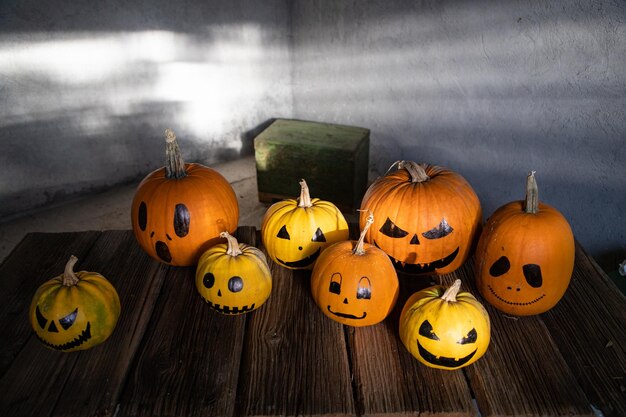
x=525, y=256
x=233, y=278
x=179, y=210
x=355, y=283
x=294, y=233
x=444, y=328
x=74, y=311
x=427, y=218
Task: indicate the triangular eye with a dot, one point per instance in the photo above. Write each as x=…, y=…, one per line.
x=283, y=233
x=391, y=230
x=318, y=236
x=443, y=229
x=532, y=273
x=426, y=330
x=470, y=338
x=67, y=321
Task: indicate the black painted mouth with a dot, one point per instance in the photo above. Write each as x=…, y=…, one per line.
x=424, y=268
x=302, y=263
x=513, y=303
x=79, y=340
x=443, y=360
x=163, y=251
x=346, y=315
x=229, y=310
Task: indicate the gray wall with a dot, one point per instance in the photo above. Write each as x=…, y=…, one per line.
x=87, y=88
x=489, y=89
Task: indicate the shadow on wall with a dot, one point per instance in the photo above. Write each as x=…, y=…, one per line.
x=88, y=90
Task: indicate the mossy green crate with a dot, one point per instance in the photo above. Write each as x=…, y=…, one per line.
x=333, y=159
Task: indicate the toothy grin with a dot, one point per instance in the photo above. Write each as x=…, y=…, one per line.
x=443, y=360
x=424, y=268
x=79, y=340
x=346, y=315
x=229, y=310
x=302, y=263
x=511, y=302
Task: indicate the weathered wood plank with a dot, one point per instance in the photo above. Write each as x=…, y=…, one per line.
x=523, y=372
x=295, y=360
x=589, y=327
x=36, y=259
x=188, y=364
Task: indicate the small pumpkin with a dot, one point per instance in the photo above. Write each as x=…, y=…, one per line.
x=74, y=311
x=525, y=255
x=427, y=218
x=444, y=328
x=233, y=278
x=178, y=211
x=355, y=283
x=295, y=233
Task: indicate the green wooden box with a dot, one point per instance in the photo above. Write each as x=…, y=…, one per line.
x=333, y=159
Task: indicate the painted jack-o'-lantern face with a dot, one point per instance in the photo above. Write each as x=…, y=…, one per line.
x=296, y=232
x=74, y=311
x=427, y=218
x=445, y=329
x=233, y=278
x=179, y=211
x=525, y=258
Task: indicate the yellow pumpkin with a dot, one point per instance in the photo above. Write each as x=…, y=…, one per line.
x=233, y=278
x=74, y=311
x=355, y=283
x=294, y=232
x=444, y=328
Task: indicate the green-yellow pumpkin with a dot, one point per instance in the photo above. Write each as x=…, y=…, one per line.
x=233, y=278
x=74, y=311
x=294, y=232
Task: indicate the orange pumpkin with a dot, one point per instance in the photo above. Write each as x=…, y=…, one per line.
x=525, y=256
x=179, y=211
x=427, y=218
x=355, y=283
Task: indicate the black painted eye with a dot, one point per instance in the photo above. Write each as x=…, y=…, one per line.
x=319, y=236
x=391, y=230
x=283, y=234
x=443, y=229
x=67, y=321
x=335, y=283
x=235, y=284
x=208, y=280
x=470, y=338
x=181, y=220
x=500, y=267
x=364, y=290
x=41, y=320
x=532, y=273
x=426, y=330
x=142, y=216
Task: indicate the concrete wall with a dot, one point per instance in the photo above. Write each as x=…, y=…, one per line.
x=87, y=88
x=489, y=89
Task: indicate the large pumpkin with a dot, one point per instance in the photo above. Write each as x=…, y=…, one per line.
x=427, y=218
x=294, y=232
x=180, y=210
x=233, y=278
x=355, y=283
x=525, y=256
x=74, y=311
x=444, y=328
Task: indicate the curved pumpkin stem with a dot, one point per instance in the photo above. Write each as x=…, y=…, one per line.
x=69, y=276
x=305, y=197
x=531, y=205
x=358, y=249
x=174, y=164
x=416, y=171
x=451, y=292
x=233, y=245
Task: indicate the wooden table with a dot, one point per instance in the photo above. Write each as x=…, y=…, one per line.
x=170, y=355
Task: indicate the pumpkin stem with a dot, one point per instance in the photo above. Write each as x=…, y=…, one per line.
x=416, y=171
x=305, y=197
x=233, y=245
x=174, y=164
x=532, y=194
x=451, y=292
x=358, y=249
x=69, y=277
